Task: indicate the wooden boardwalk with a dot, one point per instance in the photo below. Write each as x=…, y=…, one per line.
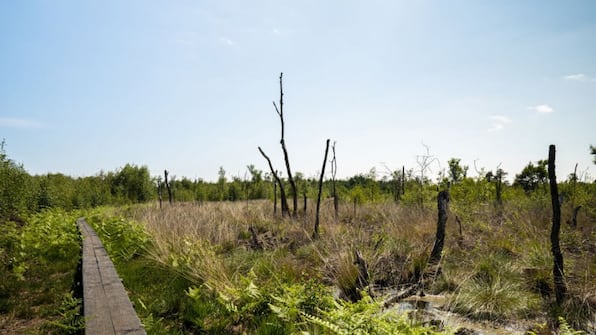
x=105, y=301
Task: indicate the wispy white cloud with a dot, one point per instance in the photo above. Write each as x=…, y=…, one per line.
x=579, y=77
x=500, y=119
x=227, y=41
x=542, y=109
x=276, y=31
x=499, y=122
x=7, y=122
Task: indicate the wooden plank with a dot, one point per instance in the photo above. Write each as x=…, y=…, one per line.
x=108, y=310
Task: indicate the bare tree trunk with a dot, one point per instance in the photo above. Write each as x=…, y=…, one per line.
x=170, y=198
x=443, y=208
x=316, y=233
x=305, y=201
x=274, y=197
x=403, y=180
x=284, y=202
x=558, y=267
x=159, y=189
x=499, y=190
x=424, y=162
x=333, y=173
x=280, y=112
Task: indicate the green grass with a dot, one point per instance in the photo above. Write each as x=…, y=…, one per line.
x=194, y=269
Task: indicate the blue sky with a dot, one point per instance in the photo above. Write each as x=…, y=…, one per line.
x=187, y=85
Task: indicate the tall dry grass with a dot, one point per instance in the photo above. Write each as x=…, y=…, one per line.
x=212, y=244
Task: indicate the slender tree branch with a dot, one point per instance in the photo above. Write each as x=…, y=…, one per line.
x=284, y=201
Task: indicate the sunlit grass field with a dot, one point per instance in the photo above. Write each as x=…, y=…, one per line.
x=236, y=268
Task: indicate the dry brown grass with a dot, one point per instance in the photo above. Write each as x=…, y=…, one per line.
x=211, y=244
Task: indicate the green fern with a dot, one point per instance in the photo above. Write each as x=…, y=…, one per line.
x=325, y=324
x=566, y=329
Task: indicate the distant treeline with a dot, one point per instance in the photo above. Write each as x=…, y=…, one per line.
x=21, y=192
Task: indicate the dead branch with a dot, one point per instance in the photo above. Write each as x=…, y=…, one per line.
x=284, y=201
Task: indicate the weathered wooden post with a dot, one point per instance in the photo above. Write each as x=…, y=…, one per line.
x=558, y=267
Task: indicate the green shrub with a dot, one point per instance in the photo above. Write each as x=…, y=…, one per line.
x=122, y=238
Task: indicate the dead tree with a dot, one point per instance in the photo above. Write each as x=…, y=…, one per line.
x=424, y=162
x=316, y=233
x=499, y=185
x=274, y=197
x=280, y=112
x=170, y=197
x=284, y=202
x=443, y=208
x=558, y=267
x=304, y=201
x=334, y=190
x=159, y=190
x=403, y=179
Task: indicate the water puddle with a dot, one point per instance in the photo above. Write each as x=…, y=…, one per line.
x=430, y=310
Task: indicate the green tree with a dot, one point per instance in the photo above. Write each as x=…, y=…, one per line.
x=221, y=183
x=257, y=189
x=532, y=176
x=15, y=186
x=132, y=183
x=593, y=152
x=457, y=172
x=56, y=190
x=94, y=190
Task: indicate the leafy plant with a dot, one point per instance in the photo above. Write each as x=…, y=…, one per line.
x=122, y=238
x=70, y=321
x=365, y=316
x=38, y=261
